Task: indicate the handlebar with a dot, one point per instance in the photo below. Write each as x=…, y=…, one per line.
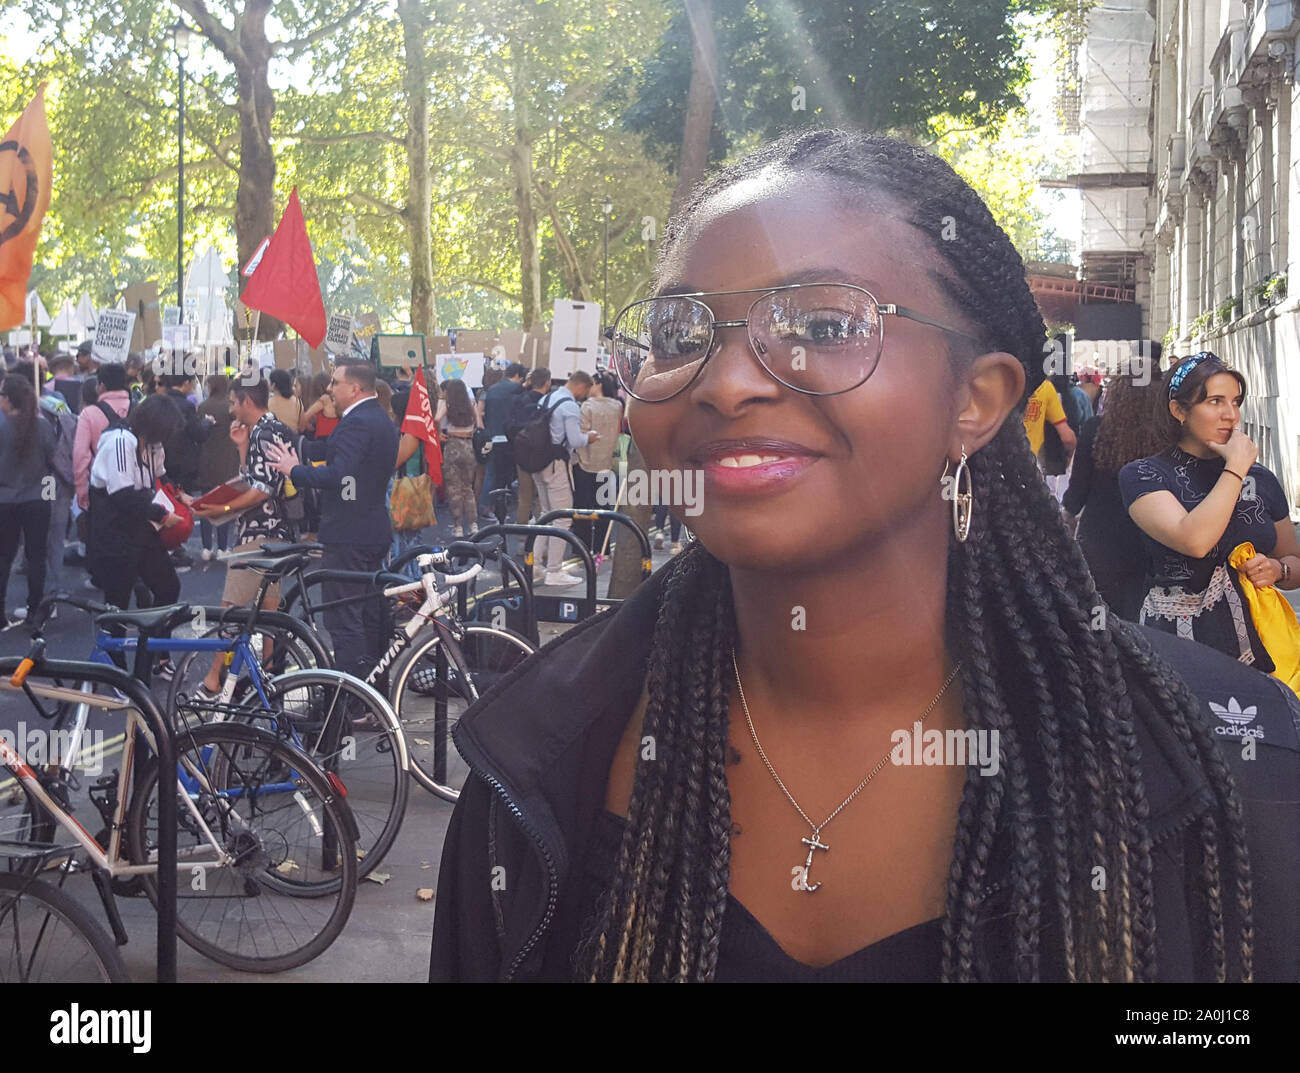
x=44, y=608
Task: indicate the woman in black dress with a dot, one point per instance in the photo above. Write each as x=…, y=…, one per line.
x=1110, y=541
x=876, y=548
x=1196, y=501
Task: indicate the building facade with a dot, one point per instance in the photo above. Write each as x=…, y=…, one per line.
x=1217, y=242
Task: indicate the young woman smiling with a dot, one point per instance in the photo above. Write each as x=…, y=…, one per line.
x=698, y=785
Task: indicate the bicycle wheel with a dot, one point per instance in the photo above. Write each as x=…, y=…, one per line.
x=279, y=884
x=46, y=937
x=348, y=728
x=463, y=672
x=287, y=652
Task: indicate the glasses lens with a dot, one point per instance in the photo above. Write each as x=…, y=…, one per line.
x=659, y=344
x=822, y=339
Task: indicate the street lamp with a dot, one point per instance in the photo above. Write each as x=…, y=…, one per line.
x=607, y=207
x=181, y=43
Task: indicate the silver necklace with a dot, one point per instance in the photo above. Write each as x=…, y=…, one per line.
x=800, y=872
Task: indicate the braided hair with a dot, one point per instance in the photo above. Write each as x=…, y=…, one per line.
x=1043, y=662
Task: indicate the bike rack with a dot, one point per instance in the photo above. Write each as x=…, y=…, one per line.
x=570, y=609
x=581, y=514
x=143, y=700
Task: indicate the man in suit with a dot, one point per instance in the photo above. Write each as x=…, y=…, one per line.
x=356, y=529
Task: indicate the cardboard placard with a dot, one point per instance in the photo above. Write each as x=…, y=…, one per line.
x=312, y=361
x=398, y=350
x=285, y=352
x=458, y=366
x=142, y=300
x=366, y=325
x=438, y=344
x=113, y=333
x=575, y=336
x=475, y=342
x=246, y=321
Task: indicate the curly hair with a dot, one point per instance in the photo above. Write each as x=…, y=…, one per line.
x=1130, y=425
x=1062, y=693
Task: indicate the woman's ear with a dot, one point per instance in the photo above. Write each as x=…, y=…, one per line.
x=991, y=388
x=1178, y=410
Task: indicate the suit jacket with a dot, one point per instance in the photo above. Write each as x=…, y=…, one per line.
x=360, y=456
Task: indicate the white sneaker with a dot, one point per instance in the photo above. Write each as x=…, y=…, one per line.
x=659, y=541
x=675, y=548
x=560, y=579
x=206, y=555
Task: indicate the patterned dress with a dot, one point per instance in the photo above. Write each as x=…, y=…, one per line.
x=1201, y=598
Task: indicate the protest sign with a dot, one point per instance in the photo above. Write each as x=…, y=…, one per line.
x=338, y=336
x=286, y=353
x=113, y=332
x=398, y=350
x=466, y=367
x=575, y=335
x=171, y=316
x=142, y=300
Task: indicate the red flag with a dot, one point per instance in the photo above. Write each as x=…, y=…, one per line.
x=285, y=284
x=419, y=423
x=26, y=176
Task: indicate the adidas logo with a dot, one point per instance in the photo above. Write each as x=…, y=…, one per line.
x=1238, y=720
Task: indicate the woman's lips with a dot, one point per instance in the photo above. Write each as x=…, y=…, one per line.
x=753, y=472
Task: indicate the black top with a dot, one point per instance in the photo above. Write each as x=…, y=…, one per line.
x=1109, y=538
x=1261, y=504
x=541, y=742
x=747, y=952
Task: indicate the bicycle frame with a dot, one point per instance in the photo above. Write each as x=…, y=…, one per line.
x=109, y=859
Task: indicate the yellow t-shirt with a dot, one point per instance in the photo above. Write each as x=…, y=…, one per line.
x=1044, y=403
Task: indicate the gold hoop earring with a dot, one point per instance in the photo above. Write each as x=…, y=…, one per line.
x=963, y=502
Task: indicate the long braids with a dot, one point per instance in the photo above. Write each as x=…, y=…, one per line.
x=1044, y=663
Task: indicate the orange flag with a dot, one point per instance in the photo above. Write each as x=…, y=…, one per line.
x=419, y=423
x=26, y=178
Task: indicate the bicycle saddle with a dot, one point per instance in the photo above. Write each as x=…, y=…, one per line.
x=151, y=620
x=276, y=548
x=273, y=567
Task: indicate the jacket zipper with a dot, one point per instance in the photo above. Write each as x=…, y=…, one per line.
x=552, y=896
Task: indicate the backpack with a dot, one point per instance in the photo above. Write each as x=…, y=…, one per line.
x=522, y=409
x=115, y=420
x=532, y=444
x=65, y=432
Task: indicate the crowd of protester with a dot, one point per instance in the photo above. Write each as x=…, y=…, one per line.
x=106, y=435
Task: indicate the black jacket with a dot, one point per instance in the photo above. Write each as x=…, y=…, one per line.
x=542, y=740
x=360, y=455
x=183, y=449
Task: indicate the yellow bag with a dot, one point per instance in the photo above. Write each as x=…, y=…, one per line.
x=1274, y=619
x=412, y=503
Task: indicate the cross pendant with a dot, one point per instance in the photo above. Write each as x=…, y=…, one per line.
x=813, y=845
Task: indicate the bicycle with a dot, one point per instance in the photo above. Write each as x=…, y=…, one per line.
x=433, y=654
x=259, y=828
x=346, y=727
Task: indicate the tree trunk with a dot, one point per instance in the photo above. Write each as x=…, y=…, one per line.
x=521, y=166
x=625, y=574
x=700, y=101
x=255, y=198
x=419, y=198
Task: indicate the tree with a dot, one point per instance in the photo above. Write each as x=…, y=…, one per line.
x=890, y=67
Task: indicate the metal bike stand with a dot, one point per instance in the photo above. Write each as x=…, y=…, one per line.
x=167, y=813
x=579, y=514
x=567, y=609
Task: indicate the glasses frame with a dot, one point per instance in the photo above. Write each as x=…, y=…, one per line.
x=884, y=308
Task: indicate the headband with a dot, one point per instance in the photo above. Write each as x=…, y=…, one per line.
x=1180, y=374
